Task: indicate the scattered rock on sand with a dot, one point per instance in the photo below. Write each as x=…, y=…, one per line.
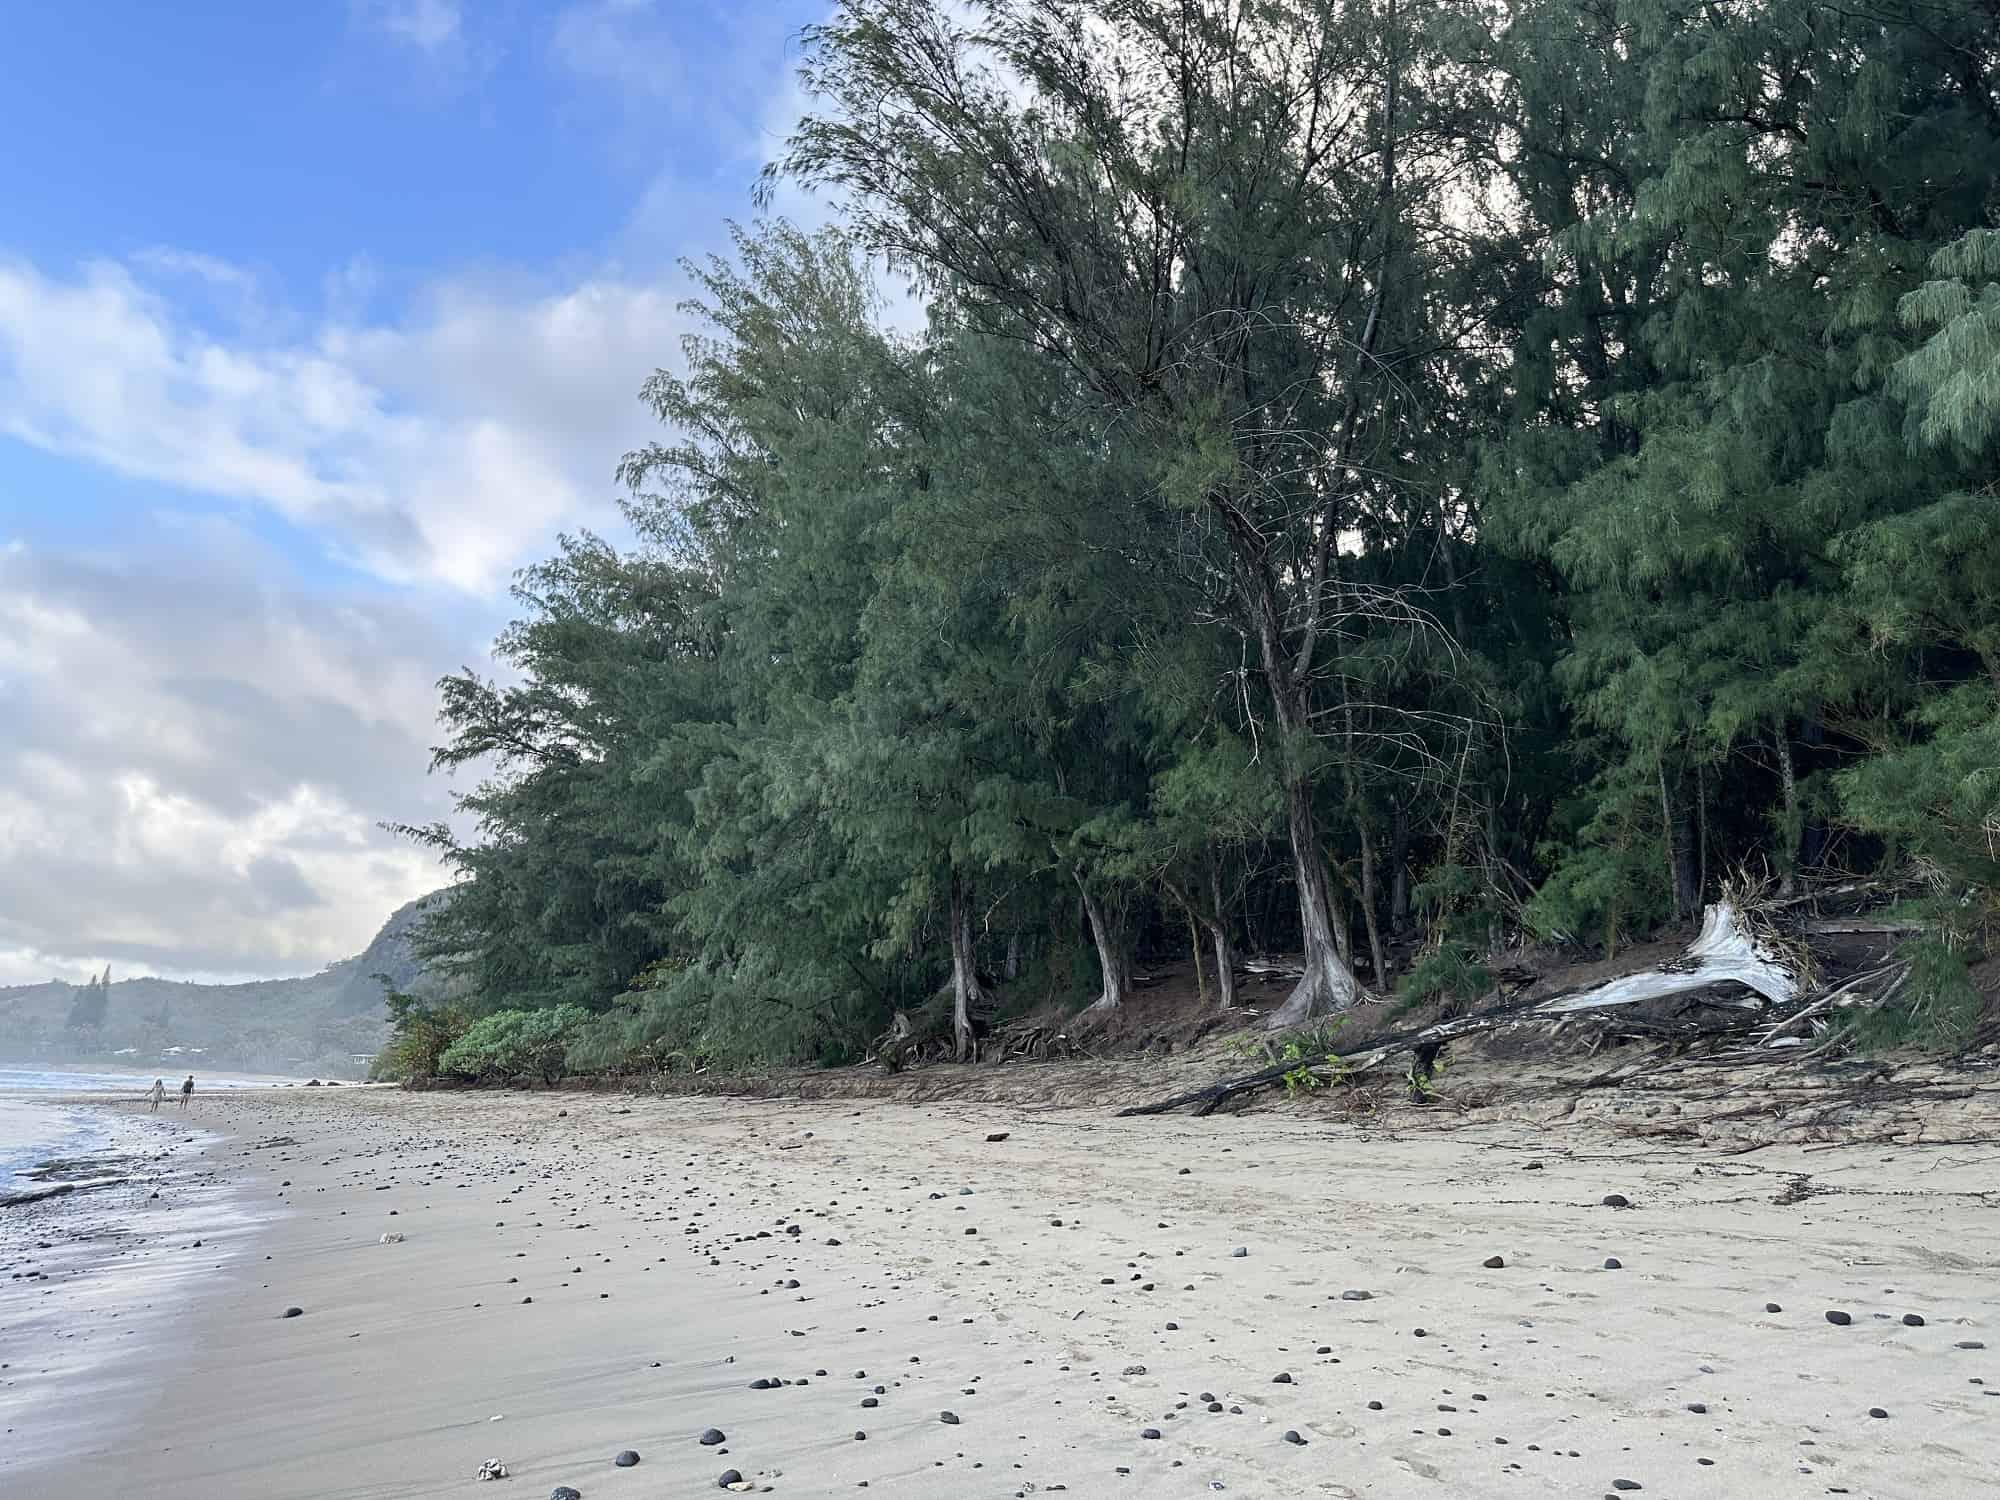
x=294, y=1312
x=1838, y=1318
x=729, y=1477
x=1913, y=1320
x=996, y=1135
x=1613, y=1263
x=492, y=1469
x=564, y=1492
x=712, y=1436
x=626, y=1459
x=1292, y=1437
x=949, y=1418
x=1354, y=1296
x=1495, y=1262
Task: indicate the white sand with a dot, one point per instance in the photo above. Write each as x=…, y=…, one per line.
x=388, y=1385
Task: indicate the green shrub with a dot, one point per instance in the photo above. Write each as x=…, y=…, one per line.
x=1450, y=972
x=1935, y=1007
x=420, y=1034
x=515, y=1043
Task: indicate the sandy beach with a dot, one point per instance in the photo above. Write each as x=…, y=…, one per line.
x=1272, y=1304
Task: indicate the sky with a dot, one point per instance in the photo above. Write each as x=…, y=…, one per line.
x=317, y=321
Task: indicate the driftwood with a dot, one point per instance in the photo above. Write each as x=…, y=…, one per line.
x=1722, y=956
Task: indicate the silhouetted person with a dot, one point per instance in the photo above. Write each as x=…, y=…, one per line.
x=187, y=1091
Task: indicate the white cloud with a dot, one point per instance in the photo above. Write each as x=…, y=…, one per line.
x=196, y=759
x=443, y=450
x=427, y=25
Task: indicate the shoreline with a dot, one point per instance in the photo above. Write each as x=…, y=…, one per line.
x=584, y=1274
x=99, y=1269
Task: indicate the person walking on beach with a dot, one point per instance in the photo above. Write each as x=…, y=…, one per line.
x=187, y=1091
x=157, y=1093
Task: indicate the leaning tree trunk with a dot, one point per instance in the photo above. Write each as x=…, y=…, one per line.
x=965, y=990
x=1112, y=958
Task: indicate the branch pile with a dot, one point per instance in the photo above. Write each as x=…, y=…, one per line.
x=1732, y=984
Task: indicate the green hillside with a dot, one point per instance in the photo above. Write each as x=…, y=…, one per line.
x=326, y=1024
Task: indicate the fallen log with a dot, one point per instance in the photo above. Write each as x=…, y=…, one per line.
x=1723, y=953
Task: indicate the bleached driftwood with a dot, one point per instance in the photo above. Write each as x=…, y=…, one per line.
x=1722, y=952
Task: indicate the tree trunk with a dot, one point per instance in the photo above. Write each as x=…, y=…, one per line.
x=1399, y=869
x=1683, y=872
x=965, y=991
x=1368, y=918
x=1328, y=985
x=1011, y=969
x=1112, y=958
x=1788, y=842
x=1218, y=929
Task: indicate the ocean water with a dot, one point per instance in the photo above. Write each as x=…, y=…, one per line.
x=35, y=1128
x=94, y=1278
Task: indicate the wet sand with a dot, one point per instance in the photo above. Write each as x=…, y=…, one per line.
x=578, y=1275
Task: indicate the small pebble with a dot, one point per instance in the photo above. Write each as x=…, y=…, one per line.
x=1838, y=1318
x=1292, y=1437
x=712, y=1436
x=626, y=1459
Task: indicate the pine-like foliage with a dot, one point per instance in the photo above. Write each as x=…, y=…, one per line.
x=1378, y=476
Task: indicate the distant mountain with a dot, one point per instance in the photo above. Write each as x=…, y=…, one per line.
x=326, y=1024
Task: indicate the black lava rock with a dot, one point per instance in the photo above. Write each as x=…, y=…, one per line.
x=712, y=1436
x=1876, y=1411
x=626, y=1459
x=1838, y=1318
x=1913, y=1320
x=564, y=1492
x=1772, y=1307
x=294, y=1312
x=729, y=1477
x=1281, y=1378
x=1150, y=1432
x=1613, y=1263
x=1617, y=1200
x=1292, y=1437
x=1626, y=1484
x=949, y=1418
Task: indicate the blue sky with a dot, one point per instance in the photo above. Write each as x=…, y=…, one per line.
x=316, y=321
